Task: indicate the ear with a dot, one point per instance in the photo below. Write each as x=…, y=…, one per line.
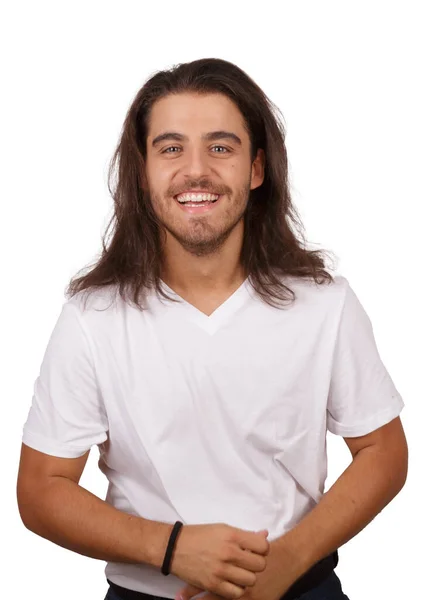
x=258, y=170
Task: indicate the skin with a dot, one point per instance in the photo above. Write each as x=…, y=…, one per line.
x=201, y=253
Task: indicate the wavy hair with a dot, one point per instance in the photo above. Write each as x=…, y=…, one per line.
x=131, y=259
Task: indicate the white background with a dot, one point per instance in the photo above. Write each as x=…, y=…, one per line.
x=347, y=77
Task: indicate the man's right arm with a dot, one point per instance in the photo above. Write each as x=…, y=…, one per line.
x=53, y=505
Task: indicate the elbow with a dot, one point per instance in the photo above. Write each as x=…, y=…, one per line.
x=25, y=513
x=27, y=507
x=397, y=467
x=403, y=468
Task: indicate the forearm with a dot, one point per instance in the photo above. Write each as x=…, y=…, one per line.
x=72, y=517
x=369, y=483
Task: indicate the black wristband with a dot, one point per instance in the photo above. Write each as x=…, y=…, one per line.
x=168, y=554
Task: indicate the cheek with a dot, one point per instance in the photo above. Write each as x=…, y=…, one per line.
x=155, y=172
x=162, y=183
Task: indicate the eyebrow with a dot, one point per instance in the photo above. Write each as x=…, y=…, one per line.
x=212, y=135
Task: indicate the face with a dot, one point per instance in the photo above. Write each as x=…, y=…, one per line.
x=199, y=143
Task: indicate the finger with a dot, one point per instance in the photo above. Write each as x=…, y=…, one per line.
x=229, y=590
x=253, y=541
x=264, y=531
x=238, y=576
x=188, y=592
x=248, y=560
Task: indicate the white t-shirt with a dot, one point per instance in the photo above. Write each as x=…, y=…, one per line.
x=210, y=419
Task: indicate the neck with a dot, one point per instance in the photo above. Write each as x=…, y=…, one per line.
x=219, y=271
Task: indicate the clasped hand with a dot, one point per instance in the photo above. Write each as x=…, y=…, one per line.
x=271, y=584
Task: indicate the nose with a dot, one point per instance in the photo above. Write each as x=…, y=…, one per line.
x=196, y=163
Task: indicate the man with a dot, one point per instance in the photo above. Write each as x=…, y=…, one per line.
x=211, y=359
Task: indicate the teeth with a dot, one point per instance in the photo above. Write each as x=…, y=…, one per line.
x=182, y=198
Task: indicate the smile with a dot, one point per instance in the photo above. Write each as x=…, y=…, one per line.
x=193, y=203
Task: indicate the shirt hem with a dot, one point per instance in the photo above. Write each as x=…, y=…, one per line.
x=42, y=444
x=366, y=426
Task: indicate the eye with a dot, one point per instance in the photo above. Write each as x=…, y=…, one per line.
x=176, y=147
x=224, y=148
x=170, y=147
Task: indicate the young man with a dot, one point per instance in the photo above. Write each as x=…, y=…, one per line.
x=211, y=359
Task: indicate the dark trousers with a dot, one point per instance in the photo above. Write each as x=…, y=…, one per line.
x=329, y=589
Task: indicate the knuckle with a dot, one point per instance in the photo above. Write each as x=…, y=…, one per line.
x=231, y=535
x=222, y=590
x=228, y=554
x=214, y=584
x=218, y=574
x=260, y=565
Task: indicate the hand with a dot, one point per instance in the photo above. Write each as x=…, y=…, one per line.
x=219, y=558
x=281, y=572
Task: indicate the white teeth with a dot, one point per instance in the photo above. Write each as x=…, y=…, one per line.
x=182, y=198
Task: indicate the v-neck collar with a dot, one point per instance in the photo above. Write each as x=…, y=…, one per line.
x=210, y=324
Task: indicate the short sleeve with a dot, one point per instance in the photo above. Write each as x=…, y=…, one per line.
x=362, y=395
x=67, y=416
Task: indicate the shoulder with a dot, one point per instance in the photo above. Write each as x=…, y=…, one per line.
x=99, y=299
x=309, y=293
x=97, y=309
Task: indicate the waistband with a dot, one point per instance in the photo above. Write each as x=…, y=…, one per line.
x=309, y=580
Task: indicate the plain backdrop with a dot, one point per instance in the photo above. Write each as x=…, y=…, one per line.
x=347, y=77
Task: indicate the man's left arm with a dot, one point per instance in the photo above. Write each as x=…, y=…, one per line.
x=375, y=476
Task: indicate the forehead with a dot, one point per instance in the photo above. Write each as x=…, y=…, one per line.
x=194, y=114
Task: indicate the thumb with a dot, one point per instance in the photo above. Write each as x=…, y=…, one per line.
x=188, y=592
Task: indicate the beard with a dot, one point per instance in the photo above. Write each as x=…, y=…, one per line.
x=206, y=234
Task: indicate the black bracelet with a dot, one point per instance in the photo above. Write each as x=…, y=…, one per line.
x=168, y=554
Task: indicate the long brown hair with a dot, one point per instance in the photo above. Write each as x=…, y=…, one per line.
x=131, y=262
